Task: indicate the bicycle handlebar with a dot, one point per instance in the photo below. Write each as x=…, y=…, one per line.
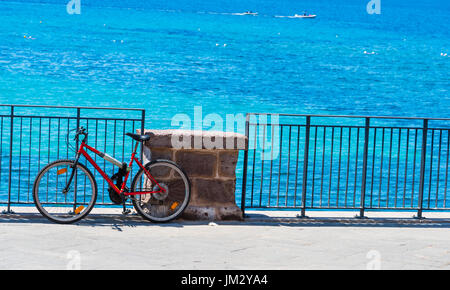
x=81, y=131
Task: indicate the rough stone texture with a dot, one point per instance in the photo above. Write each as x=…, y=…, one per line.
x=217, y=190
x=210, y=167
x=197, y=162
x=193, y=139
x=227, y=163
x=162, y=153
x=229, y=213
x=194, y=212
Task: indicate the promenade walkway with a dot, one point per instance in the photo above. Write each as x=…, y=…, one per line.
x=266, y=240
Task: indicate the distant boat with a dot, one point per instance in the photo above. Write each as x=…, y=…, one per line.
x=299, y=16
x=247, y=13
x=304, y=16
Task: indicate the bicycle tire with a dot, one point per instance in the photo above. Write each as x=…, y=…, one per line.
x=38, y=203
x=183, y=206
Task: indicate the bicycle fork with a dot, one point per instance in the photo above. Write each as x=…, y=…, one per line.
x=74, y=169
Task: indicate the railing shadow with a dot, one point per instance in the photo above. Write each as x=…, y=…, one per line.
x=261, y=220
x=119, y=222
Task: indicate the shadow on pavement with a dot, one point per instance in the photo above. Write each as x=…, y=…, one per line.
x=118, y=222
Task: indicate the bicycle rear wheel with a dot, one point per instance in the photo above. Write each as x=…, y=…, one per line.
x=164, y=206
x=58, y=206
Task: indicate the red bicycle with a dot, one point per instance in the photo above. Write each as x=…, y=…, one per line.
x=65, y=191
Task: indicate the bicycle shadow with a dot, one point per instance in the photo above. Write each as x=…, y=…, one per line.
x=118, y=222
x=115, y=221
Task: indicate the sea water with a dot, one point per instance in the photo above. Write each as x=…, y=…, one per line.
x=170, y=56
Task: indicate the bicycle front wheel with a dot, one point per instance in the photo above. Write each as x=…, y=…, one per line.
x=166, y=205
x=60, y=205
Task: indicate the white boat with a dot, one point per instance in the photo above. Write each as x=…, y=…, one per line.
x=304, y=16
x=297, y=16
x=250, y=13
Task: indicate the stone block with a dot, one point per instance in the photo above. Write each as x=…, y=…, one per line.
x=231, y=212
x=209, y=159
x=211, y=213
x=215, y=191
x=197, y=163
x=162, y=153
x=227, y=163
x=193, y=212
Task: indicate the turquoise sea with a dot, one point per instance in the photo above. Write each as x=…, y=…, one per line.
x=169, y=56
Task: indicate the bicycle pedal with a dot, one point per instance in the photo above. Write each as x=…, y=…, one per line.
x=125, y=212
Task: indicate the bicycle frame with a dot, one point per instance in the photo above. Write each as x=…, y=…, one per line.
x=82, y=151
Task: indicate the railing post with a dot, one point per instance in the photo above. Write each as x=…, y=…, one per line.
x=305, y=165
x=9, y=211
x=76, y=174
x=142, y=132
x=78, y=126
x=364, y=176
x=422, y=168
x=244, y=177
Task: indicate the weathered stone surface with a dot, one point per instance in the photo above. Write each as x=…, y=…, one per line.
x=215, y=191
x=193, y=212
x=227, y=163
x=209, y=159
x=211, y=213
x=197, y=163
x=161, y=153
x=177, y=189
x=147, y=155
x=160, y=171
x=196, y=139
x=231, y=212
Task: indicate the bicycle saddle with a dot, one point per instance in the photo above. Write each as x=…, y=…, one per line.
x=139, y=138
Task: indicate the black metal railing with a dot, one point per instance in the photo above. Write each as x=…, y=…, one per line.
x=346, y=162
x=33, y=136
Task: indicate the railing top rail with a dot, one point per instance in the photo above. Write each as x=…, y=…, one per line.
x=351, y=116
x=71, y=107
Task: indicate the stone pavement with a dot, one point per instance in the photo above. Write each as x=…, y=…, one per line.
x=266, y=240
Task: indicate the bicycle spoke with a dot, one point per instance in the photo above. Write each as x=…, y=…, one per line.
x=60, y=205
x=171, y=192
